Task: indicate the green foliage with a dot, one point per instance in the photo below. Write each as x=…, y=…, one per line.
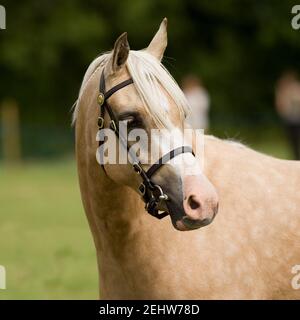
x=239, y=48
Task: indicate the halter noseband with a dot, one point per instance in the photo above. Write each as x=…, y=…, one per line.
x=152, y=194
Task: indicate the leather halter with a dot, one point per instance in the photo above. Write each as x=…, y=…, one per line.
x=152, y=194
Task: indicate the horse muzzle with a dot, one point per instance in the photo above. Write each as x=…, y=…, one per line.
x=199, y=204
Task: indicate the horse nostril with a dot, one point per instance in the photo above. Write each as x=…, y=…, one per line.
x=193, y=203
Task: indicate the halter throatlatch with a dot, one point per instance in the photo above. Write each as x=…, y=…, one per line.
x=152, y=194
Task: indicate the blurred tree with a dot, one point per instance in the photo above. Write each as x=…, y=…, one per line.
x=238, y=47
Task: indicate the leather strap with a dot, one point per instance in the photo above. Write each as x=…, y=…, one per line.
x=119, y=86
x=106, y=106
x=167, y=157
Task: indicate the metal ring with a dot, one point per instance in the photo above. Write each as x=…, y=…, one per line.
x=159, y=189
x=162, y=195
x=142, y=189
x=100, y=122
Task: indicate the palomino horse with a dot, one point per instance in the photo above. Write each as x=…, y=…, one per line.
x=252, y=248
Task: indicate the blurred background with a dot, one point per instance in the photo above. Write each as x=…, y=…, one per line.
x=240, y=52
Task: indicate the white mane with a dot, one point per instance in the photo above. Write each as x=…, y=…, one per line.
x=149, y=77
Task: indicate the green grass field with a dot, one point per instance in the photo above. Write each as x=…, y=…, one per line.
x=45, y=242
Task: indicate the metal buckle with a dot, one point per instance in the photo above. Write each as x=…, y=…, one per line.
x=100, y=122
x=113, y=125
x=142, y=189
x=100, y=99
x=151, y=209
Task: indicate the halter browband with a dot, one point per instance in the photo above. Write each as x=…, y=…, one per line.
x=152, y=194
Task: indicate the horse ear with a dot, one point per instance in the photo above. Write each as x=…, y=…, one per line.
x=120, y=52
x=159, y=42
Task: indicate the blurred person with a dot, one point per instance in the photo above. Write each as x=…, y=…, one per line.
x=198, y=99
x=287, y=100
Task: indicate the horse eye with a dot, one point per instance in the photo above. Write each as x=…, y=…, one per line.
x=133, y=122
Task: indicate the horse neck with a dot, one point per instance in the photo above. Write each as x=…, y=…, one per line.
x=111, y=202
